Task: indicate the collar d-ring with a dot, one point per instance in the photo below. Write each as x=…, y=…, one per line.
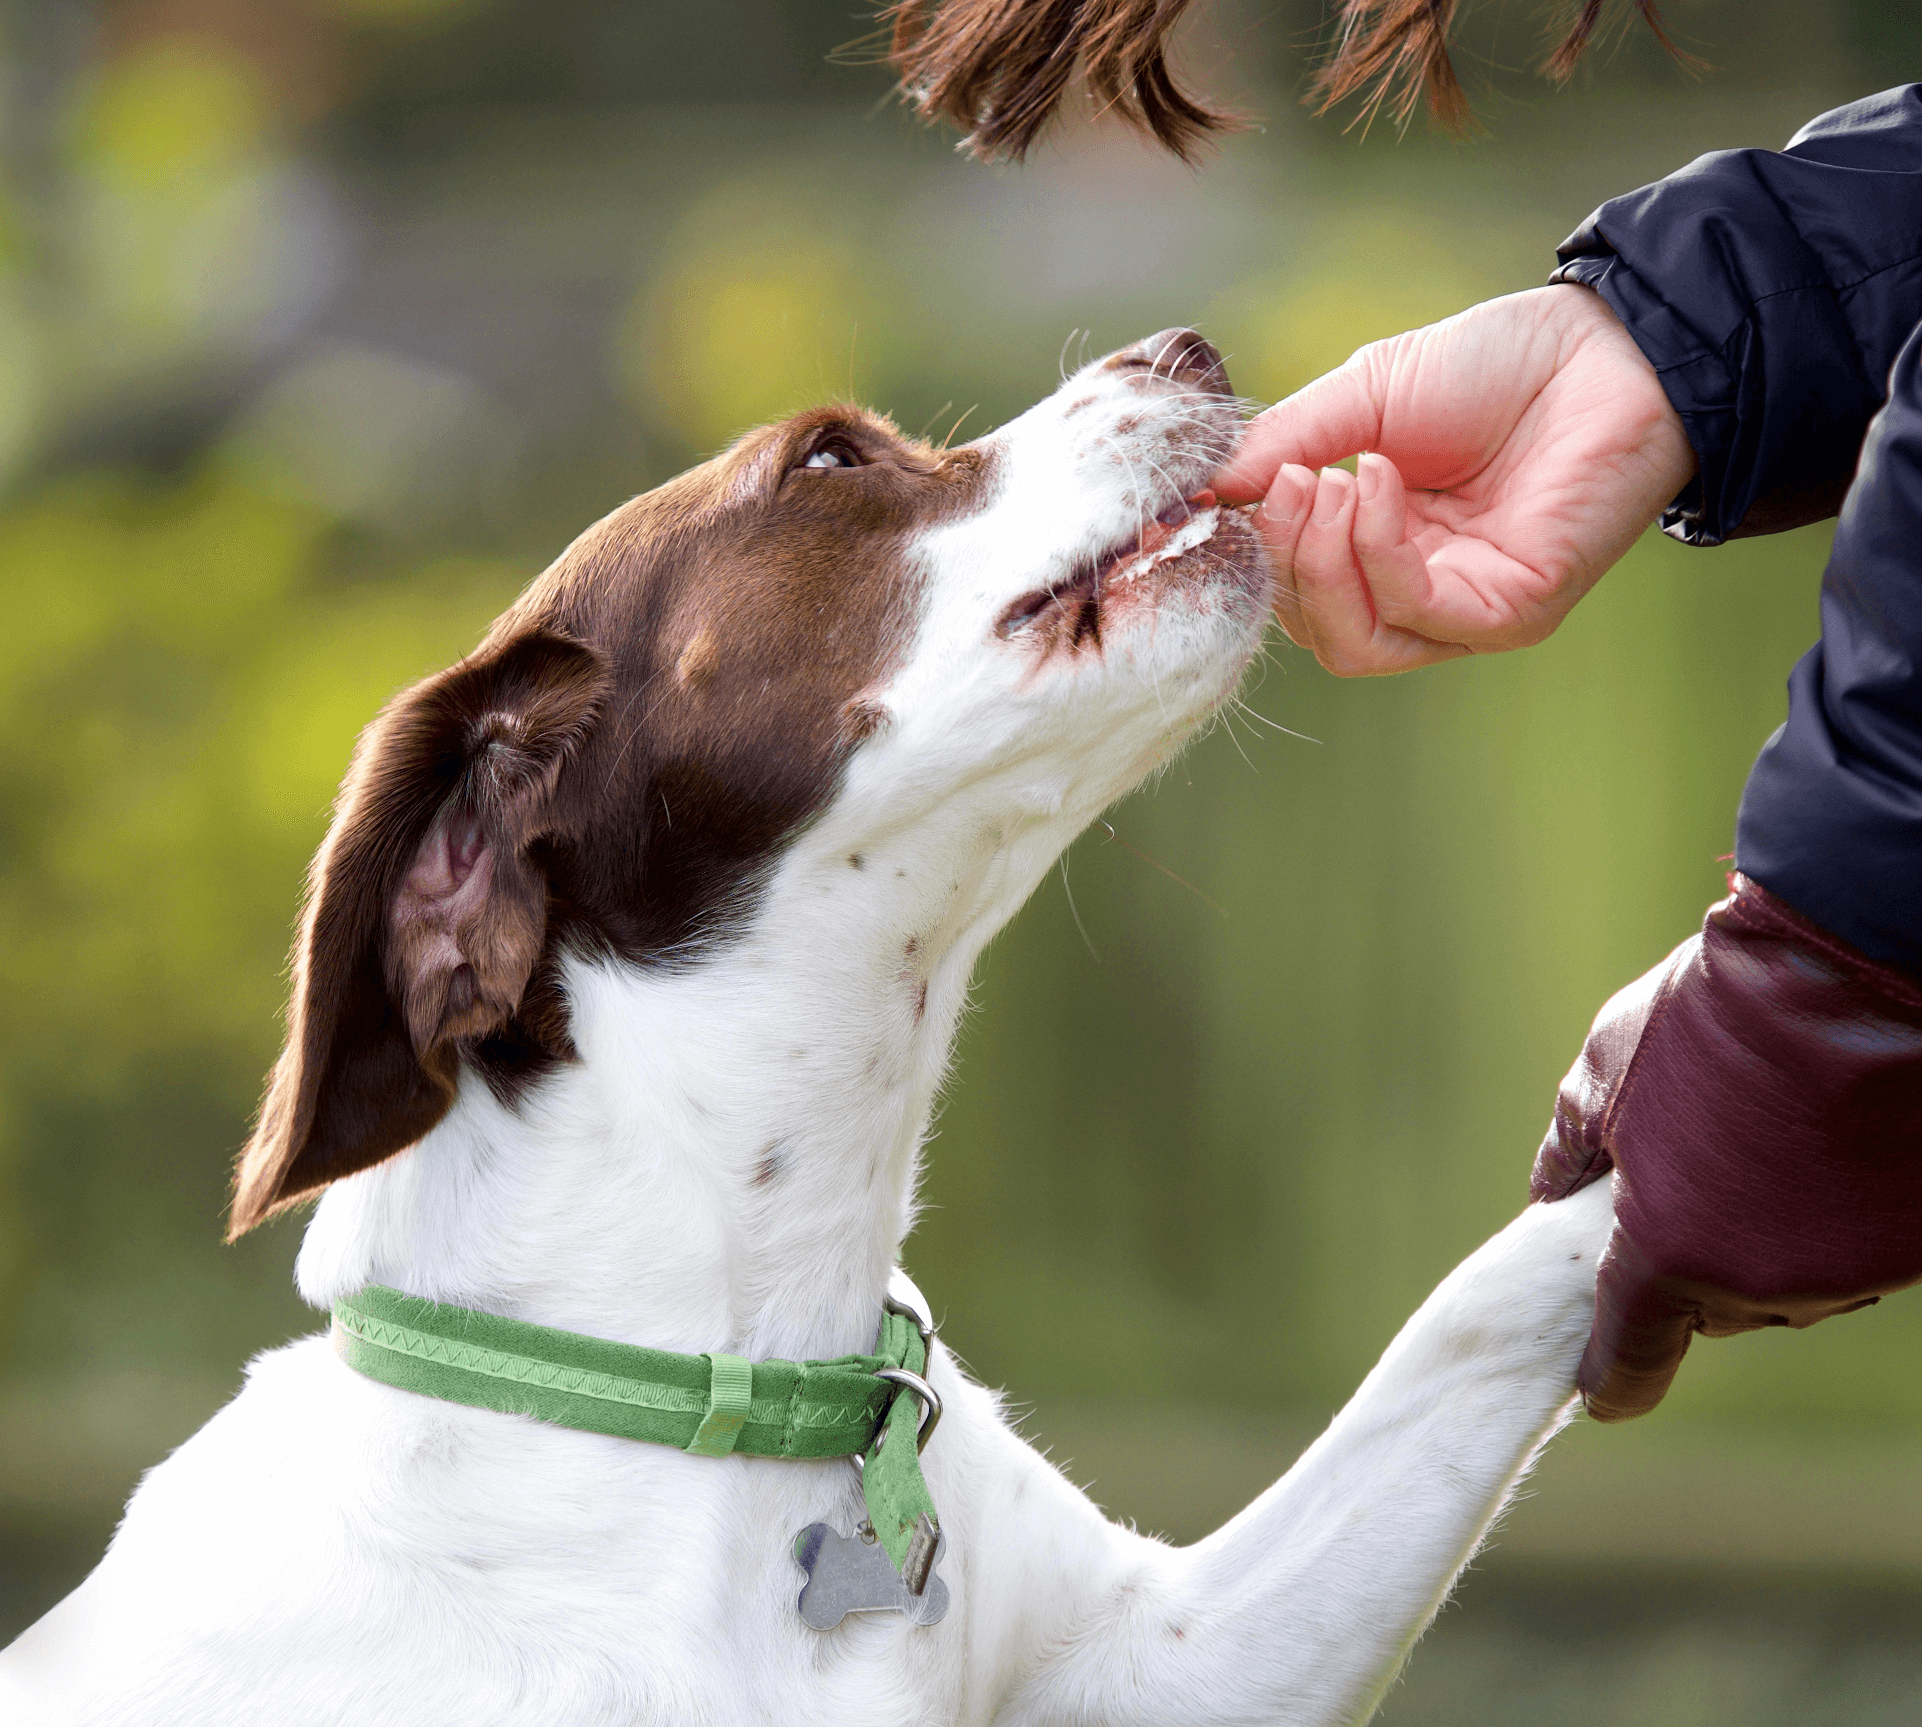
x=905, y=1298
x=929, y=1399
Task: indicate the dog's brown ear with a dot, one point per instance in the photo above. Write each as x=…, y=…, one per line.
x=425, y=914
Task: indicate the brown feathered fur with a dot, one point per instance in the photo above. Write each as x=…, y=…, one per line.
x=1000, y=69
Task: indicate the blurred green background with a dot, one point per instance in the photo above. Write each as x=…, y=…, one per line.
x=325, y=323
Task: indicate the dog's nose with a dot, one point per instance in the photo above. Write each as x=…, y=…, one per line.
x=1178, y=355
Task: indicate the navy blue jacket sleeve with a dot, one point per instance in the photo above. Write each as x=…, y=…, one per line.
x=1831, y=818
x=1779, y=297
x=1772, y=291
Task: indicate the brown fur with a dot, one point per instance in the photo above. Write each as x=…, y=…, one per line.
x=1567, y=54
x=614, y=771
x=1000, y=69
x=1393, y=53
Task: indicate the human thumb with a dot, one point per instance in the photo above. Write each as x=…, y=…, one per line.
x=1643, y=1325
x=1334, y=417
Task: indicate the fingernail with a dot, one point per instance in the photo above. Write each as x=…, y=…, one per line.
x=1286, y=497
x=1330, y=494
x=1368, y=477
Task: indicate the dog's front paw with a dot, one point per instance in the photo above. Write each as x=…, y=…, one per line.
x=1529, y=1293
x=1563, y=1242
x=1580, y=1225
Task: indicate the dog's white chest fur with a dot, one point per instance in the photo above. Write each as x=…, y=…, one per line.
x=329, y=1550
x=645, y=932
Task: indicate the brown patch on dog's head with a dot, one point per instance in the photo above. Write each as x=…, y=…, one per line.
x=616, y=769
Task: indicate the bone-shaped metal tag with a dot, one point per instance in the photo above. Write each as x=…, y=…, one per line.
x=849, y=1574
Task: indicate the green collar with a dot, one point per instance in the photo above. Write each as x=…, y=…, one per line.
x=872, y=1408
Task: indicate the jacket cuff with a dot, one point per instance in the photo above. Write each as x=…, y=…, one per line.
x=1771, y=291
x=1588, y=261
x=1754, y=910
x=1774, y=411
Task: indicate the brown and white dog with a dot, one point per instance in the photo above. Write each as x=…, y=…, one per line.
x=625, y=986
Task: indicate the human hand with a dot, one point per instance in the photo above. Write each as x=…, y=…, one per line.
x=1539, y=444
x=1759, y=1098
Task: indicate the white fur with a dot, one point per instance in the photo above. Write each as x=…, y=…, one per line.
x=328, y=1549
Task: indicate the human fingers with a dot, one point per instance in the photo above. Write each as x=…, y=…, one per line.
x=1643, y=1325
x=1447, y=576
x=1333, y=418
x=1337, y=608
x=1394, y=570
x=1333, y=604
x=1282, y=514
x=1441, y=400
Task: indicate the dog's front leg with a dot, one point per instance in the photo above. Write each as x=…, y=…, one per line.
x=1302, y=1609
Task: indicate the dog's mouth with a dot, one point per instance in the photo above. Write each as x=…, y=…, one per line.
x=1078, y=602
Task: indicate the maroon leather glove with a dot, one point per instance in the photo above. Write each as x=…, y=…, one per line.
x=1759, y=1097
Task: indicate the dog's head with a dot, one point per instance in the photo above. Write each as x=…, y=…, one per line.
x=829, y=615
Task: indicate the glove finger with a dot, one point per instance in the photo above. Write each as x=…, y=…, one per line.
x=1576, y=1150
x=1564, y=1165
x=1643, y=1325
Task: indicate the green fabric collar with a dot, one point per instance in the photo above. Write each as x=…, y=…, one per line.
x=710, y=1405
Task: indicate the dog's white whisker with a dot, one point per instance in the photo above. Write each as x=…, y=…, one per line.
x=1243, y=707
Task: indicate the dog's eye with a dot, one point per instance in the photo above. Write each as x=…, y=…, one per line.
x=834, y=453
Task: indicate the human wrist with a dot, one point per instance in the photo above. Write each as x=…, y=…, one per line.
x=1660, y=439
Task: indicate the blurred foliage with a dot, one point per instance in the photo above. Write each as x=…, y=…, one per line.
x=324, y=325
x=1753, y=1653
